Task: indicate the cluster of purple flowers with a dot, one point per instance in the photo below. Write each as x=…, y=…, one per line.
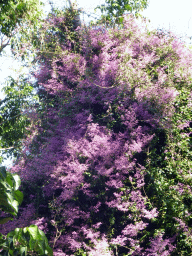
x=91, y=153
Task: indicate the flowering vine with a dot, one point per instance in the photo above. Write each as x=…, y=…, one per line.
x=105, y=171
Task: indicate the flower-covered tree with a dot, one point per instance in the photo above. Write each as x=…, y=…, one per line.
x=107, y=163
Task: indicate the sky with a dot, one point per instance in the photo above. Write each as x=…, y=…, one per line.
x=165, y=14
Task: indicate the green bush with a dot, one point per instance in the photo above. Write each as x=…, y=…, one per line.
x=22, y=241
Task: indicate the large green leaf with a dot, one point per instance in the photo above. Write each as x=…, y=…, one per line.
x=17, y=181
x=10, y=196
x=18, y=196
x=24, y=240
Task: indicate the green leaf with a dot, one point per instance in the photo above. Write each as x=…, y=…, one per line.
x=128, y=7
x=14, y=205
x=9, y=181
x=17, y=181
x=115, y=4
x=3, y=173
x=9, y=197
x=33, y=231
x=18, y=196
x=23, y=251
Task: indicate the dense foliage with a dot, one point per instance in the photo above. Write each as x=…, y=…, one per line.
x=14, y=14
x=16, y=18
x=21, y=241
x=107, y=162
x=43, y=42
x=15, y=111
x=113, y=10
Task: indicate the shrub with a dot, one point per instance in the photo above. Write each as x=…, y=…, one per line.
x=21, y=241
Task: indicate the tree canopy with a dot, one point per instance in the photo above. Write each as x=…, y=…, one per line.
x=15, y=17
x=13, y=14
x=113, y=10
